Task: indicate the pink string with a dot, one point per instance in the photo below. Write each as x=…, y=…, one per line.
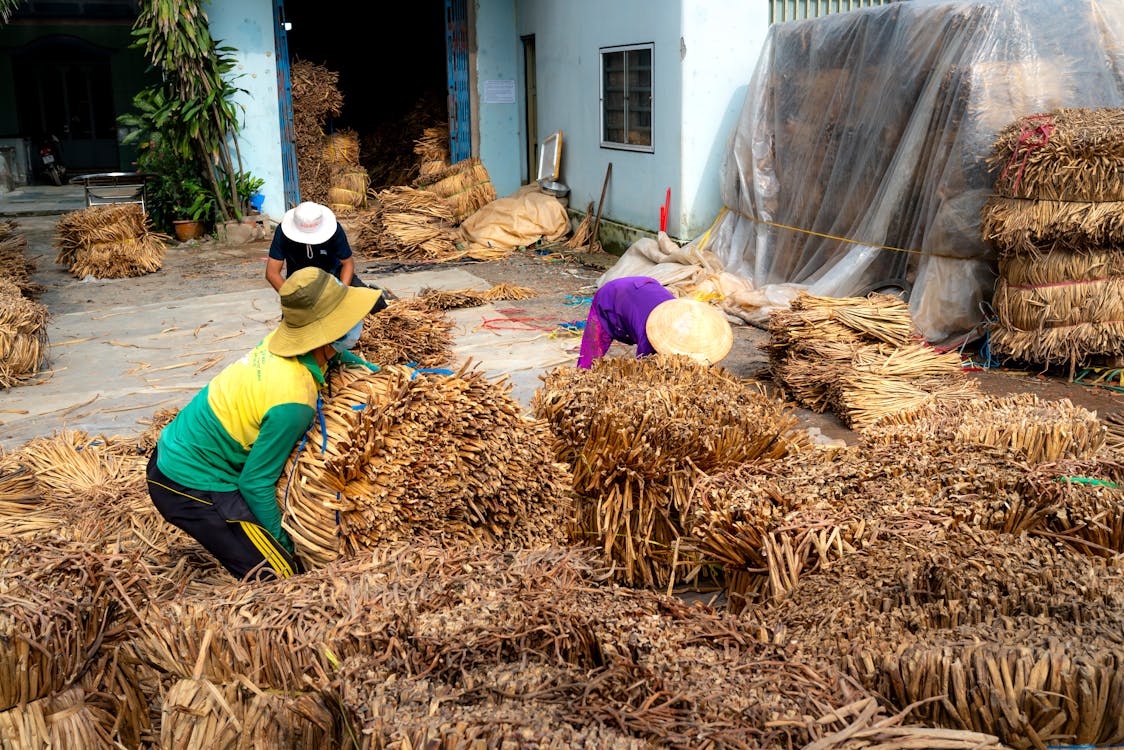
x=1035, y=134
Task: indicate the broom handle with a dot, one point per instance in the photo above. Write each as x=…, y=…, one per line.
x=600, y=205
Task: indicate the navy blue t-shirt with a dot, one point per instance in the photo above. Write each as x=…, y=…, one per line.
x=327, y=255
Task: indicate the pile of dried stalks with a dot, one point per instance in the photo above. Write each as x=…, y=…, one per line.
x=639, y=434
x=978, y=630
x=1055, y=220
x=407, y=332
x=408, y=224
x=109, y=242
x=15, y=265
x=433, y=151
x=465, y=186
x=448, y=299
x=857, y=357
x=316, y=97
x=404, y=455
x=24, y=346
x=981, y=464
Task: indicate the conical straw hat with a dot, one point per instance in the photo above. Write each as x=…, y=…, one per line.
x=690, y=327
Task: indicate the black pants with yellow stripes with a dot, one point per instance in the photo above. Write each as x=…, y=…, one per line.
x=224, y=524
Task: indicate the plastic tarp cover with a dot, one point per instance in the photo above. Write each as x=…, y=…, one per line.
x=519, y=220
x=868, y=130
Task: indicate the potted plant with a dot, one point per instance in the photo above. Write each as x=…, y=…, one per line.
x=195, y=207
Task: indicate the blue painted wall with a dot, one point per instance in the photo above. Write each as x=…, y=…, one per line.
x=497, y=59
x=247, y=25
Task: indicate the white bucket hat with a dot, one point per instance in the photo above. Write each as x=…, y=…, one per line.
x=309, y=223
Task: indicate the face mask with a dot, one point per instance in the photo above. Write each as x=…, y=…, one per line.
x=349, y=339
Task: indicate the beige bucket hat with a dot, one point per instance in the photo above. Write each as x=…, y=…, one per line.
x=690, y=327
x=316, y=309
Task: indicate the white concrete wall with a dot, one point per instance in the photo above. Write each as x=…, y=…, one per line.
x=568, y=37
x=721, y=43
x=247, y=25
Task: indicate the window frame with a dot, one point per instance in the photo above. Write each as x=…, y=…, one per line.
x=624, y=48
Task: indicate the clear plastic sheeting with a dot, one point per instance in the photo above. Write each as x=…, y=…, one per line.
x=858, y=160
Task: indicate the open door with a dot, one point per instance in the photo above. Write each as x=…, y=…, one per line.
x=460, y=97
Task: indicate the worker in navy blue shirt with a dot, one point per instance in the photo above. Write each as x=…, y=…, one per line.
x=309, y=235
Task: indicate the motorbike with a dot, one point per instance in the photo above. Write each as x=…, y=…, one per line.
x=50, y=154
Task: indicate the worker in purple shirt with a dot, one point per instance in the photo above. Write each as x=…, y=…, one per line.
x=639, y=310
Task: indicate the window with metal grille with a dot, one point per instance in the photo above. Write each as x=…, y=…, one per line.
x=796, y=10
x=626, y=97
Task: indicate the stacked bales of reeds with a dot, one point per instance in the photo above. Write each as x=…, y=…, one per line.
x=1055, y=220
x=109, y=242
x=1007, y=635
x=433, y=151
x=409, y=224
x=407, y=332
x=859, y=358
x=448, y=299
x=316, y=97
x=465, y=186
x=348, y=180
x=639, y=434
x=404, y=455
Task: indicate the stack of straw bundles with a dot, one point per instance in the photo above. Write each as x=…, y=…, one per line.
x=316, y=97
x=109, y=242
x=403, y=455
x=349, y=181
x=466, y=186
x=408, y=224
x=639, y=434
x=433, y=151
x=1056, y=221
x=448, y=299
x=23, y=335
x=858, y=357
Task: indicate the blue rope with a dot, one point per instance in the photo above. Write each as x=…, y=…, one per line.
x=576, y=299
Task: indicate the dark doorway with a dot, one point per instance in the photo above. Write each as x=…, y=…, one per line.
x=391, y=61
x=531, y=97
x=64, y=88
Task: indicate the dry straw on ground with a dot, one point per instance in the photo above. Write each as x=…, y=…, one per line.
x=408, y=224
x=448, y=299
x=639, y=434
x=407, y=332
x=24, y=345
x=109, y=242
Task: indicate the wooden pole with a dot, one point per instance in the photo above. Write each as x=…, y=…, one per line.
x=595, y=237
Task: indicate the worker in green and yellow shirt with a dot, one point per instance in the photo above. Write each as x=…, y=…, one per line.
x=215, y=468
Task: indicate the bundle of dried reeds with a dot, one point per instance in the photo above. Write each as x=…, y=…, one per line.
x=199, y=713
x=1038, y=430
x=1016, y=225
x=109, y=242
x=1070, y=154
x=582, y=238
x=466, y=186
x=68, y=718
x=856, y=357
x=638, y=433
x=16, y=267
x=408, y=224
x=407, y=331
x=433, y=151
x=447, y=299
x=316, y=97
x=341, y=147
x=24, y=345
x=404, y=456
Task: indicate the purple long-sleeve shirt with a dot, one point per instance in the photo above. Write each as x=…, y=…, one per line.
x=619, y=312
